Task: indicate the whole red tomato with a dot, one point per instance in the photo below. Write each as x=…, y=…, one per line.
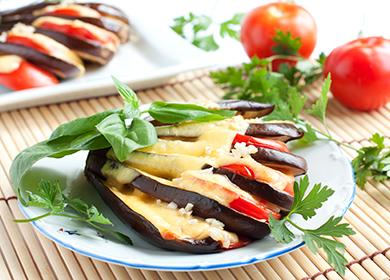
x=360, y=72
x=260, y=25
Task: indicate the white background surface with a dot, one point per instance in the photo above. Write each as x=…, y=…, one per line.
x=159, y=53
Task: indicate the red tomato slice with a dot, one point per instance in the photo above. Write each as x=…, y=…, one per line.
x=168, y=235
x=65, y=12
x=289, y=189
x=256, y=211
x=261, y=142
x=25, y=41
x=27, y=76
x=77, y=32
x=240, y=169
x=240, y=243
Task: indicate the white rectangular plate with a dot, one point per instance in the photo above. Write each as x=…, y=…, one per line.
x=155, y=55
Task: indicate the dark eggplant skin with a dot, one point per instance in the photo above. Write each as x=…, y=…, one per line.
x=108, y=11
x=87, y=50
x=112, y=19
x=119, y=28
x=263, y=190
x=136, y=221
x=285, y=162
x=278, y=131
x=52, y=64
x=248, y=109
x=24, y=13
x=203, y=206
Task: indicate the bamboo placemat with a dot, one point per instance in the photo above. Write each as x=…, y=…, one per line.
x=26, y=254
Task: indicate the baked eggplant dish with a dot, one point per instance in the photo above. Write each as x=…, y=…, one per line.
x=50, y=40
x=203, y=187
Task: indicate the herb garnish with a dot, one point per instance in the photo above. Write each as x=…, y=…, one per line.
x=124, y=130
x=305, y=204
x=198, y=29
x=286, y=44
x=256, y=81
x=49, y=196
x=372, y=161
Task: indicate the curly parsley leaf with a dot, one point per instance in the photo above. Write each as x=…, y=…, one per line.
x=206, y=43
x=333, y=249
x=310, y=135
x=49, y=196
x=200, y=30
x=254, y=81
x=231, y=27
x=305, y=204
x=285, y=43
x=372, y=161
x=280, y=231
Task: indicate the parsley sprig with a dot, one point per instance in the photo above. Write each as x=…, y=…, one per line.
x=49, y=196
x=305, y=203
x=257, y=81
x=202, y=30
x=372, y=161
x=285, y=43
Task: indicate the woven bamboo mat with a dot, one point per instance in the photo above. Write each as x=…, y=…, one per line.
x=24, y=253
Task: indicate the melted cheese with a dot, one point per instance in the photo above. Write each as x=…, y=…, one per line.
x=9, y=63
x=274, y=178
x=118, y=174
x=166, y=166
x=214, y=186
x=211, y=143
x=169, y=221
x=237, y=124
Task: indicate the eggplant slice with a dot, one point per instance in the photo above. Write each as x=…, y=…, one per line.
x=52, y=64
x=108, y=11
x=263, y=190
x=146, y=229
x=248, y=109
x=286, y=162
x=204, y=207
x=277, y=131
x=117, y=27
x=87, y=50
x=23, y=14
x=111, y=18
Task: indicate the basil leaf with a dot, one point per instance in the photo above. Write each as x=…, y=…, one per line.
x=53, y=148
x=124, y=141
x=142, y=132
x=81, y=125
x=131, y=108
x=178, y=112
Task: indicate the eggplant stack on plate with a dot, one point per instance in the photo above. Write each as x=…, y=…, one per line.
x=93, y=30
x=46, y=40
x=207, y=186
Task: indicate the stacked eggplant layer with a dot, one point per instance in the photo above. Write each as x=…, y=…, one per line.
x=53, y=38
x=204, y=187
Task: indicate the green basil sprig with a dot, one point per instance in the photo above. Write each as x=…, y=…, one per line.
x=180, y=112
x=124, y=130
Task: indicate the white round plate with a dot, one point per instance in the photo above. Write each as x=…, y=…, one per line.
x=327, y=165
